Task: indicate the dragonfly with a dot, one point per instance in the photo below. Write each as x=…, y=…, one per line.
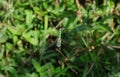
x=59, y=39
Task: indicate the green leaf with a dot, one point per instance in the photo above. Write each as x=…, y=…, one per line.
x=46, y=22
x=29, y=15
x=45, y=5
x=52, y=31
x=33, y=75
x=61, y=72
x=39, y=12
x=9, y=46
x=31, y=37
x=36, y=65
x=15, y=39
x=102, y=27
x=3, y=37
x=14, y=30
x=80, y=28
x=9, y=68
x=2, y=49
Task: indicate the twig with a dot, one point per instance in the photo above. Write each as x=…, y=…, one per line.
x=9, y=1
x=66, y=61
x=7, y=62
x=56, y=2
x=71, y=68
x=60, y=53
x=115, y=47
x=78, y=51
x=92, y=65
x=78, y=5
x=61, y=21
x=79, y=10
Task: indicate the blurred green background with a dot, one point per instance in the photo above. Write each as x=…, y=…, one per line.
x=59, y=38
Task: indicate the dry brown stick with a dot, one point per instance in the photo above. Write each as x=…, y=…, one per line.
x=56, y=2
x=7, y=55
x=79, y=14
x=66, y=61
x=60, y=53
x=99, y=52
x=15, y=4
x=116, y=47
x=78, y=5
x=9, y=1
x=78, y=51
x=61, y=21
x=71, y=68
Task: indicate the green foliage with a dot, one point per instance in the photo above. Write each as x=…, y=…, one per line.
x=88, y=33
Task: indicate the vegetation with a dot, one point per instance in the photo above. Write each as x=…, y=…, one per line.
x=59, y=38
